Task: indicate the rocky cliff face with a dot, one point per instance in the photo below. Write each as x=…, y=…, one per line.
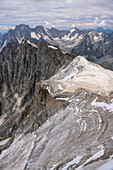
x=0, y=35
x=21, y=66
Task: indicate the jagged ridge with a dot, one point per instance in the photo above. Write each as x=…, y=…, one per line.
x=96, y=46
x=23, y=67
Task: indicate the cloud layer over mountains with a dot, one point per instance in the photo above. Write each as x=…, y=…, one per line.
x=52, y=13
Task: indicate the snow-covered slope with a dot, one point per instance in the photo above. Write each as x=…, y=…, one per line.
x=81, y=73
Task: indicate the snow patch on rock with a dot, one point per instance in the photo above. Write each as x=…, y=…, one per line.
x=33, y=35
x=50, y=46
x=103, y=105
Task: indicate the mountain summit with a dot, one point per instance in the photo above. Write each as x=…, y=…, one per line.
x=81, y=73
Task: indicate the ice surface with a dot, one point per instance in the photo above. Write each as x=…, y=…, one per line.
x=107, y=166
x=72, y=30
x=50, y=46
x=94, y=157
x=104, y=105
x=112, y=137
x=3, y=45
x=33, y=35
x=32, y=44
x=4, y=141
x=74, y=161
x=60, y=87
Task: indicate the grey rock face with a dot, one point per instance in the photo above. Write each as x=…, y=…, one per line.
x=57, y=33
x=91, y=45
x=0, y=35
x=97, y=49
x=22, y=67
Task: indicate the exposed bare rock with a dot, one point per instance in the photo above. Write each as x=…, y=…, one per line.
x=65, y=125
x=78, y=136
x=24, y=65
x=43, y=106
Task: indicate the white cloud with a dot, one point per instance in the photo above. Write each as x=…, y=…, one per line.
x=69, y=1
x=6, y=27
x=99, y=23
x=60, y=13
x=96, y=20
x=102, y=23
x=47, y=23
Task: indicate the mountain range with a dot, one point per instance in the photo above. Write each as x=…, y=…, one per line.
x=56, y=107
x=96, y=47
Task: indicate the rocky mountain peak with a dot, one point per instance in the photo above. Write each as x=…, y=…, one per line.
x=94, y=33
x=39, y=29
x=22, y=27
x=53, y=29
x=55, y=32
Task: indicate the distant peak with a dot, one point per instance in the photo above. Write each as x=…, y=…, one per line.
x=22, y=26
x=39, y=26
x=72, y=30
x=93, y=31
x=76, y=28
x=53, y=29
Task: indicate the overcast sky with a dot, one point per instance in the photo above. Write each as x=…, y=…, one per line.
x=61, y=14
